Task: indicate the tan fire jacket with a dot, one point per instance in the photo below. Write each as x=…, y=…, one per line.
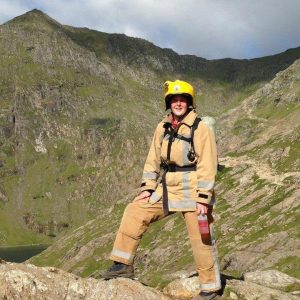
x=184, y=188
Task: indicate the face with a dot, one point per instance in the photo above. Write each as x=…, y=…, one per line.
x=179, y=105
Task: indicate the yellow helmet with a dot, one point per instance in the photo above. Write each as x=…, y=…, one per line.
x=179, y=87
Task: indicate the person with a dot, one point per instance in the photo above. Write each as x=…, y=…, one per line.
x=179, y=175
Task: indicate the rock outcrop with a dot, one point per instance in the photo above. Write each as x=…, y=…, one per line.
x=262, y=285
x=272, y=279
x=26, y=281
x=251, y=291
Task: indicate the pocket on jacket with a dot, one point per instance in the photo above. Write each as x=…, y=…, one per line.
x=173, y=178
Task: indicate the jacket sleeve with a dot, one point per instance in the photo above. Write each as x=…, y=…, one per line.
x=152, y=164
x=206, y=151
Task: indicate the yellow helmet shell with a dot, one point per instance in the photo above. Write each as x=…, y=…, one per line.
x=179, y=87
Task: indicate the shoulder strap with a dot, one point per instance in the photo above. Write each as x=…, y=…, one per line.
x=167, y=127
x=171, y=140
x=173, y=133
x=194, y=127
x=168, y=130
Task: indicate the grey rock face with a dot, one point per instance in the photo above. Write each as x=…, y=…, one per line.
x=25, y=281
x=183, y=288
x=271, y=278
x=252, y=291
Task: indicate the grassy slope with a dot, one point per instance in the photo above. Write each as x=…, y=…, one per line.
x=81, y=121
x=259, y=195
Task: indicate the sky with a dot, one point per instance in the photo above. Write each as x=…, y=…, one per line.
x=211, y=29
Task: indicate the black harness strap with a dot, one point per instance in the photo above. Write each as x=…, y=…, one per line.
x=194, y=127
x=171, y=167
x=175, y=168
x=171, y=131
x=165, y=193
x=183, y=138
x=171, y=140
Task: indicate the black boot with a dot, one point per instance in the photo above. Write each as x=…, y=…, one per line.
x=118, y=270
x=207, y=296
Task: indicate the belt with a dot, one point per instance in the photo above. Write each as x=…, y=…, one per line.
x=175, y=168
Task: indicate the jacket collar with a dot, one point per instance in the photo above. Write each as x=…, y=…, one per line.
x=188, y=120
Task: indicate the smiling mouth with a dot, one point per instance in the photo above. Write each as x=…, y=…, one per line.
x=178, y=111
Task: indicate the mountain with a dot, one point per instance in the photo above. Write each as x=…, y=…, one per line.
x=77, y=111
x=219, y=81
x=65, y=117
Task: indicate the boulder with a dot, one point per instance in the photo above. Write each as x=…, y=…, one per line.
x=251, y=291
x=271, y=278
x=184, y=288
x=26, y=281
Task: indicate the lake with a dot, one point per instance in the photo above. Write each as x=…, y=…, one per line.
x=21, y=253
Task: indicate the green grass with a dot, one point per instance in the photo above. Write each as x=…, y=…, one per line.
x=222, y=205
x=259, y=183
x=71, y=171
x=288, y=164
x=228, y=291
x=289, y=265
x=261, y=229
x=269, y=111
x=253, y=203
x=97, y=228
x=227, y=181
x=279, y=144
x=292, y=288
x=98, y=261
x=88, y=91
x=245, y=126
x=62, y=150
x=14, y=233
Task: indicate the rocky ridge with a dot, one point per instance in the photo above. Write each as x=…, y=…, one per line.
x=29, y=282
x=19, y=281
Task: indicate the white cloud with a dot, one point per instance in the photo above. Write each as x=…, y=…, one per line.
x=207, y=28
x=10, y=9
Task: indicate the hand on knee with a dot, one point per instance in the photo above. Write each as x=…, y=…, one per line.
x=143, y=197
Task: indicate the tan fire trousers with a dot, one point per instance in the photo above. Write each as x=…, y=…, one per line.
x=136, y=220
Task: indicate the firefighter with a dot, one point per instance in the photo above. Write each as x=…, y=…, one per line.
x=179, y=175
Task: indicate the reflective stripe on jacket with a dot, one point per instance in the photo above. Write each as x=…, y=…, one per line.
x=184, y=188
